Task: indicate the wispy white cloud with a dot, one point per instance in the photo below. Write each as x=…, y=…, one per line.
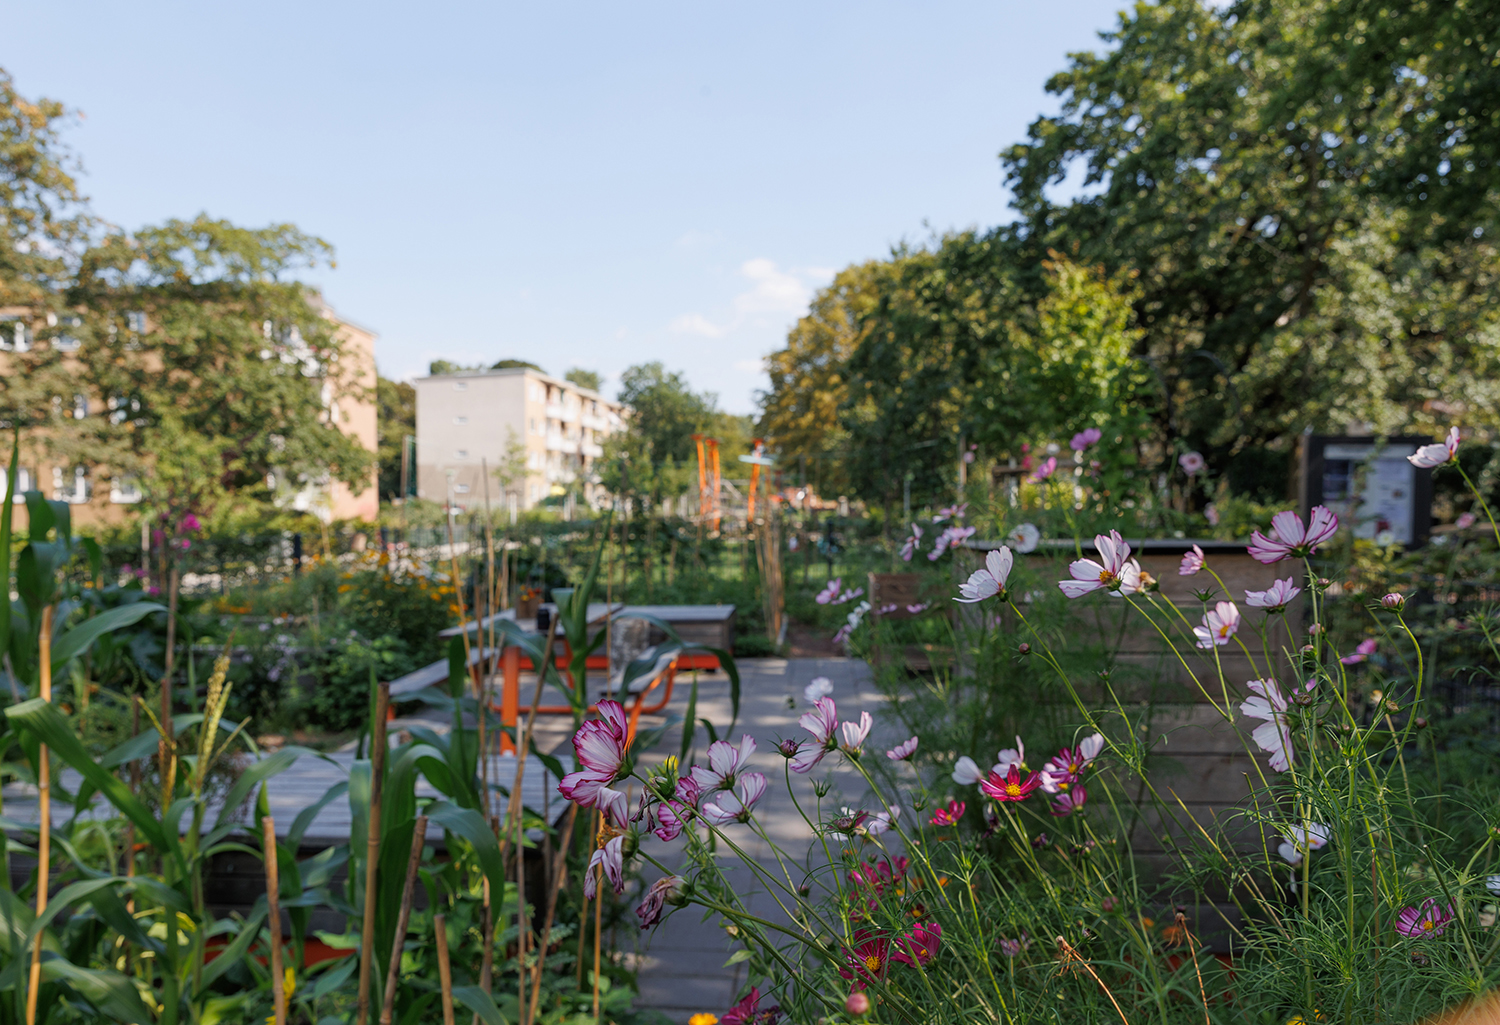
x=773, y=293
x=696, y=324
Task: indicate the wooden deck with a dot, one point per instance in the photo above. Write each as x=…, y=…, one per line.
x=289, y=792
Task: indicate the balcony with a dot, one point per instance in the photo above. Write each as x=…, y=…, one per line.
x=559, y=411
x=591, y=450
x=557, y=443
x=593, y=422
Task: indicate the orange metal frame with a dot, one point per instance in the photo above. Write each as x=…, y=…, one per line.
x=510, y=707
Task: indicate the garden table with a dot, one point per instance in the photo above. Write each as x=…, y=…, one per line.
x=510, y=656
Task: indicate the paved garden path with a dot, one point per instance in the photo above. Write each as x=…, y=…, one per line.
x=682, y=962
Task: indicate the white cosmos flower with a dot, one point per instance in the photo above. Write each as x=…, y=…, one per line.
x=989, y=581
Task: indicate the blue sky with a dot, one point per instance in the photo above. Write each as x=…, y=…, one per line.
x=587, y=185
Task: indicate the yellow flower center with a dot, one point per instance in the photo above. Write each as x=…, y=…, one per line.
x=1013, y=789
x=872, y=962
x=1428, y=925
x=1106, y=577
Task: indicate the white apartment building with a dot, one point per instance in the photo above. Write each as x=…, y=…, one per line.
x=466, y=422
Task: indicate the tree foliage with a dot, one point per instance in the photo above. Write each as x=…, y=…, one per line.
x=396, y=403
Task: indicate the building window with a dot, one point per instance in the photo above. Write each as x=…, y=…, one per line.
x=71, y=488
x=66, y=342
x=15, y=336
x=25, y=481
x=135, y=321
x=460, y=489
x=462, y=453
x=461, y=421
x=460, y=385
x=80, y=407
x=124, y=491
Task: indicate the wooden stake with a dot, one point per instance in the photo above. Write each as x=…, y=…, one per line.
x=273, y=902
x=445, y=975
x=558, y=866
x=372, y=849
x=44, y=828
x=393, y=972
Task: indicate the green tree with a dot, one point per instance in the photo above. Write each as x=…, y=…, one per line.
x=515, y=364
x=198, y=330
x=1311, y=249
x=443, y=366
x=397, y=417
x=665, y=412
x=590, y=379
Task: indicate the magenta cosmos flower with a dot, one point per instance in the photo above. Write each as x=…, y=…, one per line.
x=1362, y=651
x=649, y=911
x=989, y=581
x=920, y=945
x=1010, y=787
x=950, y=538
x=1192, y=562
x=1067, y=767
x=1429, y=456
x=725, y=760
x=612, y=857
x=948, y=816
x=1191, y=462
x=1430, y=919
x=1066, y=803
x=912, y=543
x=600, y=747
x=1044, y=471
x=869, y=959
x=748, y=1012
x=1104, y=574
x=831, y=591
x=1219, y=624
x=1274, y=598
x=1289, y=538
x=1084, y=438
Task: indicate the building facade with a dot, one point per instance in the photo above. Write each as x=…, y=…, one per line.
x=100, y=496
x=542, y=433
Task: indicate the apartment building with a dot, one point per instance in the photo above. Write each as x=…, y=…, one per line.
x=468, y=421
x=102, y=497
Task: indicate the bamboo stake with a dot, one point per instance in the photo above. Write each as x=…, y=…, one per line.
x=445, y=975
x=598, y=926
x=167, y=748
x=273, y=901
x=372, y=848
x=583, y=917
x=558, y=864
x=44, y=828
x=418, y=840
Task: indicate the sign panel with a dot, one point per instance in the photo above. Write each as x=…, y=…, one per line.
x=1370, y=483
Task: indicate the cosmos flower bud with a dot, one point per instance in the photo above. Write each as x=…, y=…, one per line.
x=858, y=1005
x=1393, y=601
x=1024, y=649
x=788, y=748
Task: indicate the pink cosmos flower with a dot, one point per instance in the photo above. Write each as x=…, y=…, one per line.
x=880, y=876
x=869, y=960
x=1362, y=651
x=848, y=596
x=667, y=820
x=1134, y=580
x=1013, y=948
x=1430, y=919
x=948, y=539
x=989, y=581
x=1274, y=735
x=1274, y=598
x=912, y=543
x=724, y=761
x=1394, y=601
x=1465, y=521
x=821, y=722
x=612, y=857
x=966, y=771
x=747, y=1012
x=818, y=687
x=1192, y=562
x=951, y=512
x=948, y=816
x=736, y=806
x=1069, y=801
x=830, y=591
x=855, y=733
x=649, y=910
x=599, y=746
x=1084, y=438
x=919, y=945
x=842, y=634
x=1429, y=456
x=1289, y=538
x=1044, y=471
x=1024, y=538
x=1191, y=462
x=901, y=752
x=1219, y=624
x=1010, y=787
x=1089, y=575
x=882, y=821
x=190, y=523
x=1010, y=756
x=1211, y=514
x=919, y=608
x=1312, y=837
